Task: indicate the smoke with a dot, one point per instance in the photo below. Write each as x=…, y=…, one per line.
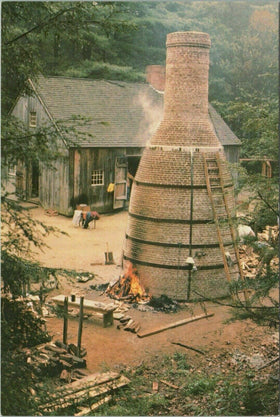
x=151, y=103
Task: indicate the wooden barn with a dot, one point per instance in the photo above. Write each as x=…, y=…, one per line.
x=94, y=171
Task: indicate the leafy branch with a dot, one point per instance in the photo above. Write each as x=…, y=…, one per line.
x=42, y=24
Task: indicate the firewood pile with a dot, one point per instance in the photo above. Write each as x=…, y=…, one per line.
x=52, y=358
x=250, y=259
x=86, y=394
x=270, y=234
x=128, y=324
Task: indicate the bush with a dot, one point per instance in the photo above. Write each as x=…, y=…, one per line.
x=20, y=328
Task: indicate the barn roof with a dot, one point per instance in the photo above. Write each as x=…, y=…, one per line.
x=122, y=114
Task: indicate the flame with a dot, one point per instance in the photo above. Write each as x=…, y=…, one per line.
x=128, y=287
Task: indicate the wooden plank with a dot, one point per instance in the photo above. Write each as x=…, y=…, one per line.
x=89, y=380
x=87, y=410
x=79, y=386
x=269, y=363
x=65, y=320
x=80, y=329
x=83, y=395
x=88, y=304
x=188, y=347
x=172, y=325
x=169, y=384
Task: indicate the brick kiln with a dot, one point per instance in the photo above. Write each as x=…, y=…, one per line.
x=182, y=201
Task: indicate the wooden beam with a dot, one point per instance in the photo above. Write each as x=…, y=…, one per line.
x=87, y=411
x=78, y=397
x=188, y=347
x=81, y=318
x=169, y=384
x=172, y=325
x=65, y=320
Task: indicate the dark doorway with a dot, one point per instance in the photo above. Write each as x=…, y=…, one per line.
x=35, y=180
x=133, y=162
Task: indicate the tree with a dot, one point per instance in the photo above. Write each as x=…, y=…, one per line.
x=45, y=36
x=24, y=25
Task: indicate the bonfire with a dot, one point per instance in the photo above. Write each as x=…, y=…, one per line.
x=128, y=288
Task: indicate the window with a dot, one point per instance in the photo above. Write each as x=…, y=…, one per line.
x=97, y=177
x=32, y=119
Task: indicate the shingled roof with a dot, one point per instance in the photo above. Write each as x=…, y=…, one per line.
x=123, y=114
x=224, y=133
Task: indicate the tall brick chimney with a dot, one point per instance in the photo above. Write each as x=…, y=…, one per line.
x=182, y=189
x=155, y=76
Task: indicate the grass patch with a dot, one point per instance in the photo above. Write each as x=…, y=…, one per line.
x=202, y=389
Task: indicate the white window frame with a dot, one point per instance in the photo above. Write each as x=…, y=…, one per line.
x=97, y=177
x=32, y=119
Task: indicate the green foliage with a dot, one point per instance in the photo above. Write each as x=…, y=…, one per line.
x=254, y=119
x=20, y=326
x=263, y=197
x=116, y=40
x=97, y=70
x=153, y=405
x=181, y=360
x=17, y=381
x=44, y=36
x=203, y=390
x=44, y=144
x=24, y=271
x=201, y=386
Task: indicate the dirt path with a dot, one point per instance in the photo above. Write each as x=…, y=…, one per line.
x=83, y=250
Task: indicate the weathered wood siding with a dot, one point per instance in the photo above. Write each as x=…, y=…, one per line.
x=53, y=183
x=82, y=164
x=54, y=187
x=232, y=153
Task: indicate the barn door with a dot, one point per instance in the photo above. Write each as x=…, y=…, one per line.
x=120, y=182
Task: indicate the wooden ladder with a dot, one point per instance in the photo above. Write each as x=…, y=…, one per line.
x=214, y=181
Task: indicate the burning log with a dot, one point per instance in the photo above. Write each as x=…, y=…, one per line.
x=128, y=288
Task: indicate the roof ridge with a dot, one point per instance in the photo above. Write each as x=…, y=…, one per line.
x=93, y=79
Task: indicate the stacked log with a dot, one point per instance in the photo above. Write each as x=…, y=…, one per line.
x=84, y=391
x=128, y=324
x=53, y=358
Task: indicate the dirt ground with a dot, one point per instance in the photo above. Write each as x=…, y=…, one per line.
x=84, y=251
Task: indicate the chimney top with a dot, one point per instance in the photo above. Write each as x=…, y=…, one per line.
x=197, y=39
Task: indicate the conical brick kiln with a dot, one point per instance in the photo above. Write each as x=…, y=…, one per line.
x=182, y=201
